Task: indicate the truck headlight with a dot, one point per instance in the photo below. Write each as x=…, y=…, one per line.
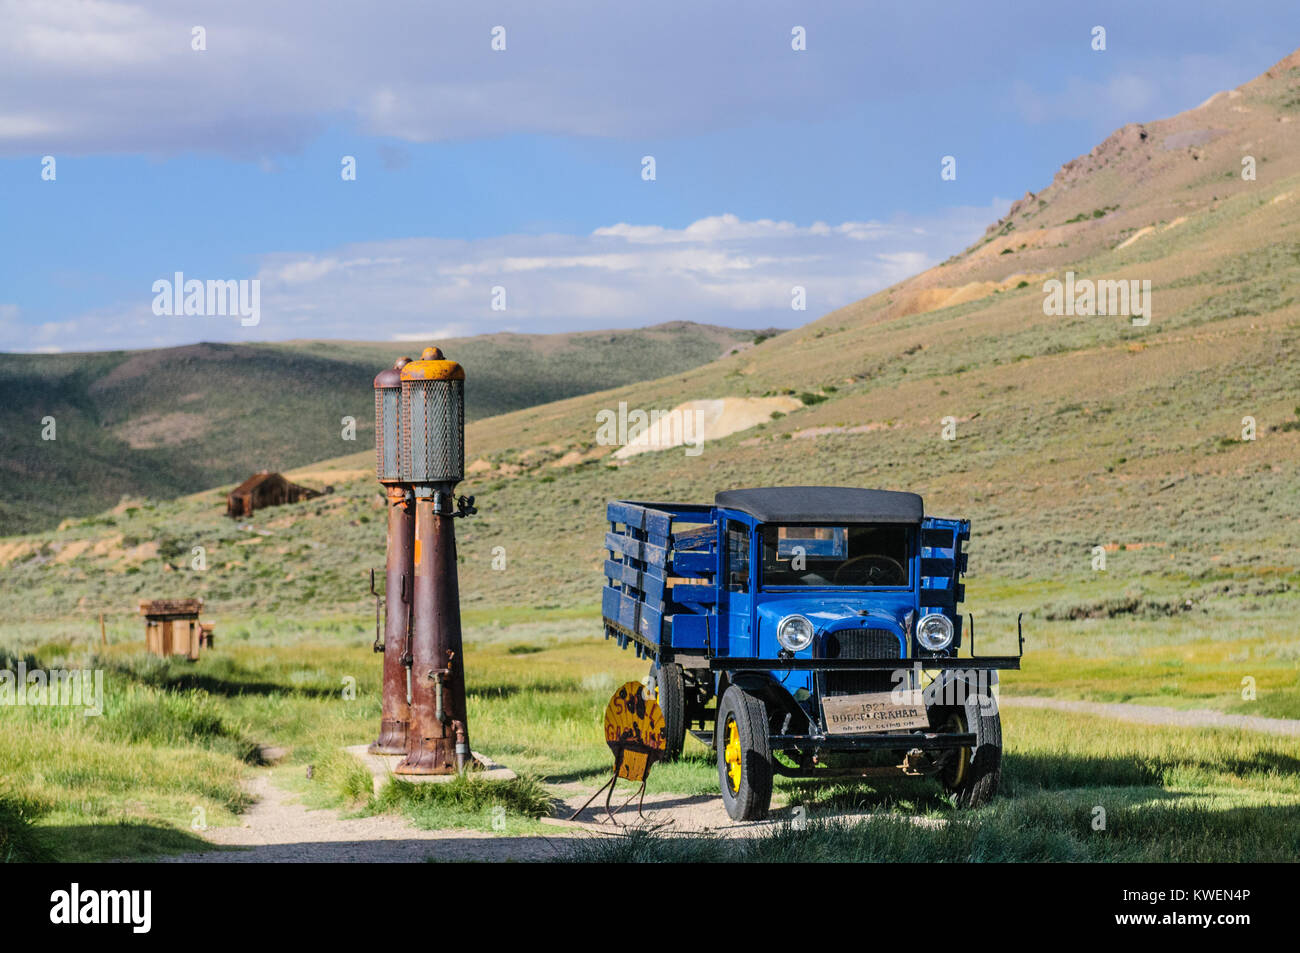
x=934, y=632
x=794, y=633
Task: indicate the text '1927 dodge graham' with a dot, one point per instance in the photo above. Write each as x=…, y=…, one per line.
x=815, y=629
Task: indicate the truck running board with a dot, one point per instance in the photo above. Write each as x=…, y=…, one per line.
x=703, y=736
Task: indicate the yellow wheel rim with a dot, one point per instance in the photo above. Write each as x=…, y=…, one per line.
x=731, y=754
x=963, y=754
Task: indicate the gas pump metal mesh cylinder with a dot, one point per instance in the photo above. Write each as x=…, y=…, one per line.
x=433, y=442
x=395, y=711
x=388, y=433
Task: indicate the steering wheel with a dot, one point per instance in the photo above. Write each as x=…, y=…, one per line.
x=874, y=571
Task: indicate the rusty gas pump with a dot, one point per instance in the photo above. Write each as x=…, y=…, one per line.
x=395, y=712
x=432, y=462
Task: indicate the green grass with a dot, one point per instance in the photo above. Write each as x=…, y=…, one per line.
x=1160, y=794
x=1097, y=642
x=1049, y=828
x=468, y=802
x=170, y=749
x=19, y=842
x=176, y=736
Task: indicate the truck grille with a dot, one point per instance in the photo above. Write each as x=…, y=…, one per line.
x=858, y=643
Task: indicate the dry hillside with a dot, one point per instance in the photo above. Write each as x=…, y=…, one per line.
x=1071, y=431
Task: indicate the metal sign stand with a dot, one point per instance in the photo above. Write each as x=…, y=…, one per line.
x=635, y=732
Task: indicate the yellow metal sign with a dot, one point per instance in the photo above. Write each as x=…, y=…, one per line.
x=634, y=731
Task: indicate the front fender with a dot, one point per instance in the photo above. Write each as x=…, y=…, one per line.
x=953, y=686
x=763, y=685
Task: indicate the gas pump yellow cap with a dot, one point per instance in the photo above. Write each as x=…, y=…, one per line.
x=432, y=366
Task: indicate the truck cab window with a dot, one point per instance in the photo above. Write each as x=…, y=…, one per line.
x=864, y=555
x=737, y=557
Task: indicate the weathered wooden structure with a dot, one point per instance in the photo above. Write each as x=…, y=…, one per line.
x=264, y=489
x=172, y=627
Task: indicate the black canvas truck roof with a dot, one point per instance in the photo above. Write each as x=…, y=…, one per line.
x=833, y=504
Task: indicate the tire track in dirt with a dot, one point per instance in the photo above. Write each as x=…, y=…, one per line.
x=1158, y=715
x=278, y=829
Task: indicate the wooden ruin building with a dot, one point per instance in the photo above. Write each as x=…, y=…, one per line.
x=172, y=627
x=264, y=489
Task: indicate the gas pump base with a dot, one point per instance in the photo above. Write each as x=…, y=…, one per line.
x=428, y=760
x=392, y=738
x=382, y=767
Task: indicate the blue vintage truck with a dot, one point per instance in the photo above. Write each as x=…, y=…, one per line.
x=807, y=631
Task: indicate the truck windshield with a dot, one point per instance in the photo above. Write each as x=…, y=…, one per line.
x=835, y=555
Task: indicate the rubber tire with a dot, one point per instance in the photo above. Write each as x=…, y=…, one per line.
x=667, y=679
x=754, y=795
x=984, y=769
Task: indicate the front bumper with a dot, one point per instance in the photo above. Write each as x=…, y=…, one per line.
x=876, y=741
x=983, y=663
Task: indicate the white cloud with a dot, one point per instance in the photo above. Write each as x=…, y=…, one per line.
x=730, y=228
x=435, y=334
x=721, y=270
x=119, y=76
x=114, y=76
x=1127, y=96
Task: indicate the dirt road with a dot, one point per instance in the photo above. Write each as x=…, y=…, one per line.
x=278, y=829
x=1157, y=715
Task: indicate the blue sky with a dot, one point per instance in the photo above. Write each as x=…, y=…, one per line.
x=521, y=168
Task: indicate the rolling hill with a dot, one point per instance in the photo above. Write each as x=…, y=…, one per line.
x=1071, y=431
x=159, y=423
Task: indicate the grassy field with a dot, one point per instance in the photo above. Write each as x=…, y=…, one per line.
x=176, y=738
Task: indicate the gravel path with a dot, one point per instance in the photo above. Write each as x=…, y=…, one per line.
x=278, y=829
x=689, y=814
x=1157, y=715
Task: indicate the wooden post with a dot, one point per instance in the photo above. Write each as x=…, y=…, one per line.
x=103, y=635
